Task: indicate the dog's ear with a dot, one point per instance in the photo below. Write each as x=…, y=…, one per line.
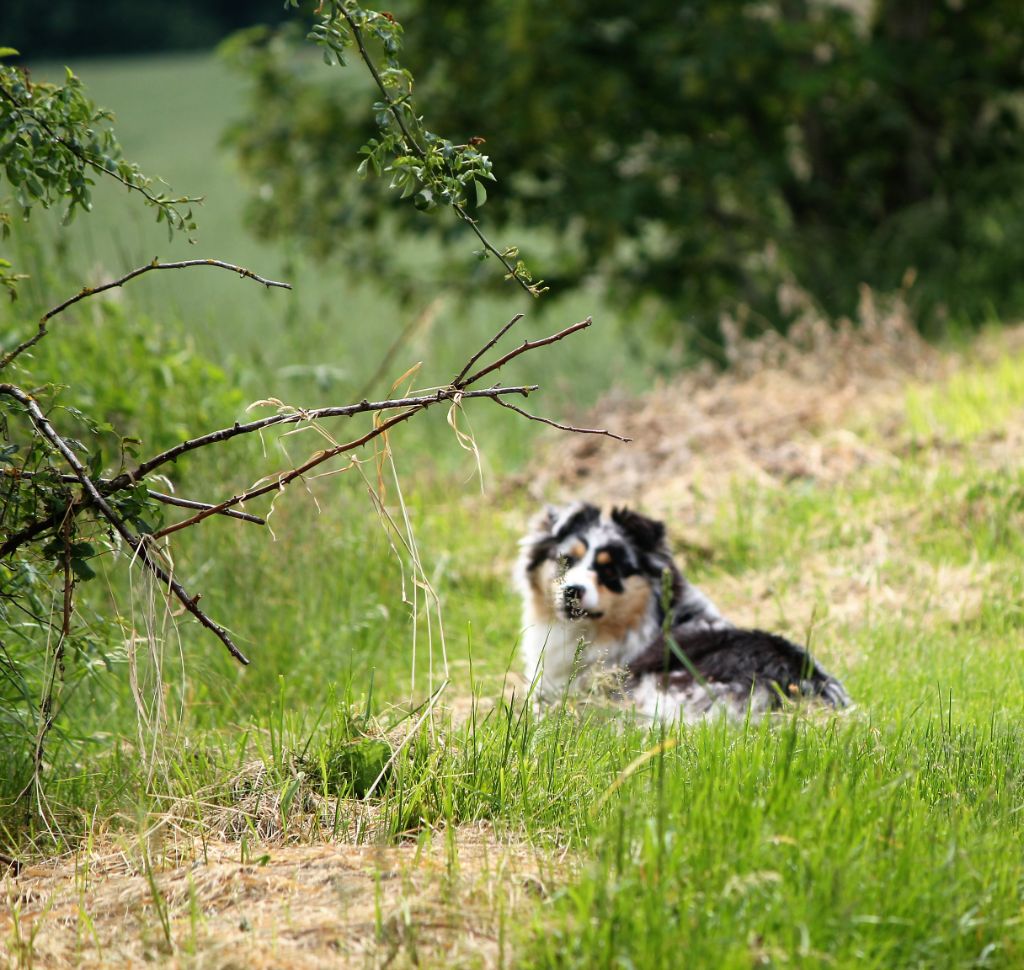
x=550, y=526
x=569, y=518
x=543, y=523
x=647, y=534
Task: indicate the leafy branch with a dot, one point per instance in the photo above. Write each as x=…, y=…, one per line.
x=52, y=136
x=420, y=163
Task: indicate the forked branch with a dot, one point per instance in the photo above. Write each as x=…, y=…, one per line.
x=95, y=492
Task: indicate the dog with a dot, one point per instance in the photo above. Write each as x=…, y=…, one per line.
x=606, y=610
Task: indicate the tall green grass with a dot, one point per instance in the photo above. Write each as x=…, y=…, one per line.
x=813, y=844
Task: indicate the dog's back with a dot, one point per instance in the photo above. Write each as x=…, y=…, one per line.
x=733, y=667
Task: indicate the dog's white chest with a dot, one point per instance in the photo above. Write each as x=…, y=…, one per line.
x=572, y=657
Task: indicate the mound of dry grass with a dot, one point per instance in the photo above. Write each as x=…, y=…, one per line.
x=808, y=405
x=824, y=406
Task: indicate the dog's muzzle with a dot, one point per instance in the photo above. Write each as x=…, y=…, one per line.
x=571, y=597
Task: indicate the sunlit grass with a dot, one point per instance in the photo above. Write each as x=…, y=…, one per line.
x=975, y=401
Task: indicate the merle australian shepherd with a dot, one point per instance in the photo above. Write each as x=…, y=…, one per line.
x=605, y=609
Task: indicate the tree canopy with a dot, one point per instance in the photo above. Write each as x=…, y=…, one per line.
x=711, y=154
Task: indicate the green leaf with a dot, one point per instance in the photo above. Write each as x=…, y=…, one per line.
x=481, y=193
x=82, y=569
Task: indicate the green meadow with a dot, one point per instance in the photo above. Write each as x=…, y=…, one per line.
x=382, y=713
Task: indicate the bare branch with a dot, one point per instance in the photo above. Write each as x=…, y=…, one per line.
x=283, y=479
x=527, y=345
x=111, y=485
x=136, y=543
x=414, y=405
x=185, y=503
x=561, y=427
x=297, y=416
x=88, y=291
x=483, y=350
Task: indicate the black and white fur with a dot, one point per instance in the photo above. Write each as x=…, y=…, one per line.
x=600, y=593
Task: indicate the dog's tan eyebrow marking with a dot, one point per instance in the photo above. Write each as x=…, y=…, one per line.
x=603, y=557
x=577, y=550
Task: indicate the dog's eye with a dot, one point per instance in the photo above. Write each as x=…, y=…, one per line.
x=569, y=557
x=604, y=562
x=608, y=569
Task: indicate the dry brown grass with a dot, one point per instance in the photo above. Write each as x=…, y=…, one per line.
x=195, y=902
x=812, y=405
x=822, y=406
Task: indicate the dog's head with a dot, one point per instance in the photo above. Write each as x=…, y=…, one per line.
x=579, y=565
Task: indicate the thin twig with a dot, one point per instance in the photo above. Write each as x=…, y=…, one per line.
x=561, y=427
x=531, y=288
x=185, y=503
x=87, y=291
x=136, y=543
x=525, y=346
x=458, y=382
x=46, y=716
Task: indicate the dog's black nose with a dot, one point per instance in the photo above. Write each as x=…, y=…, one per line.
x=572, y=594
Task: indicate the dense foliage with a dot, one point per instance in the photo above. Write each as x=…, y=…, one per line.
x=707, y=152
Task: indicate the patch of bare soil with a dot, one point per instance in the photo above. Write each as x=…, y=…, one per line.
x=202, y=903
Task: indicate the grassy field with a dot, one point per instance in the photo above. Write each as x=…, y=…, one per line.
x=885, y=525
